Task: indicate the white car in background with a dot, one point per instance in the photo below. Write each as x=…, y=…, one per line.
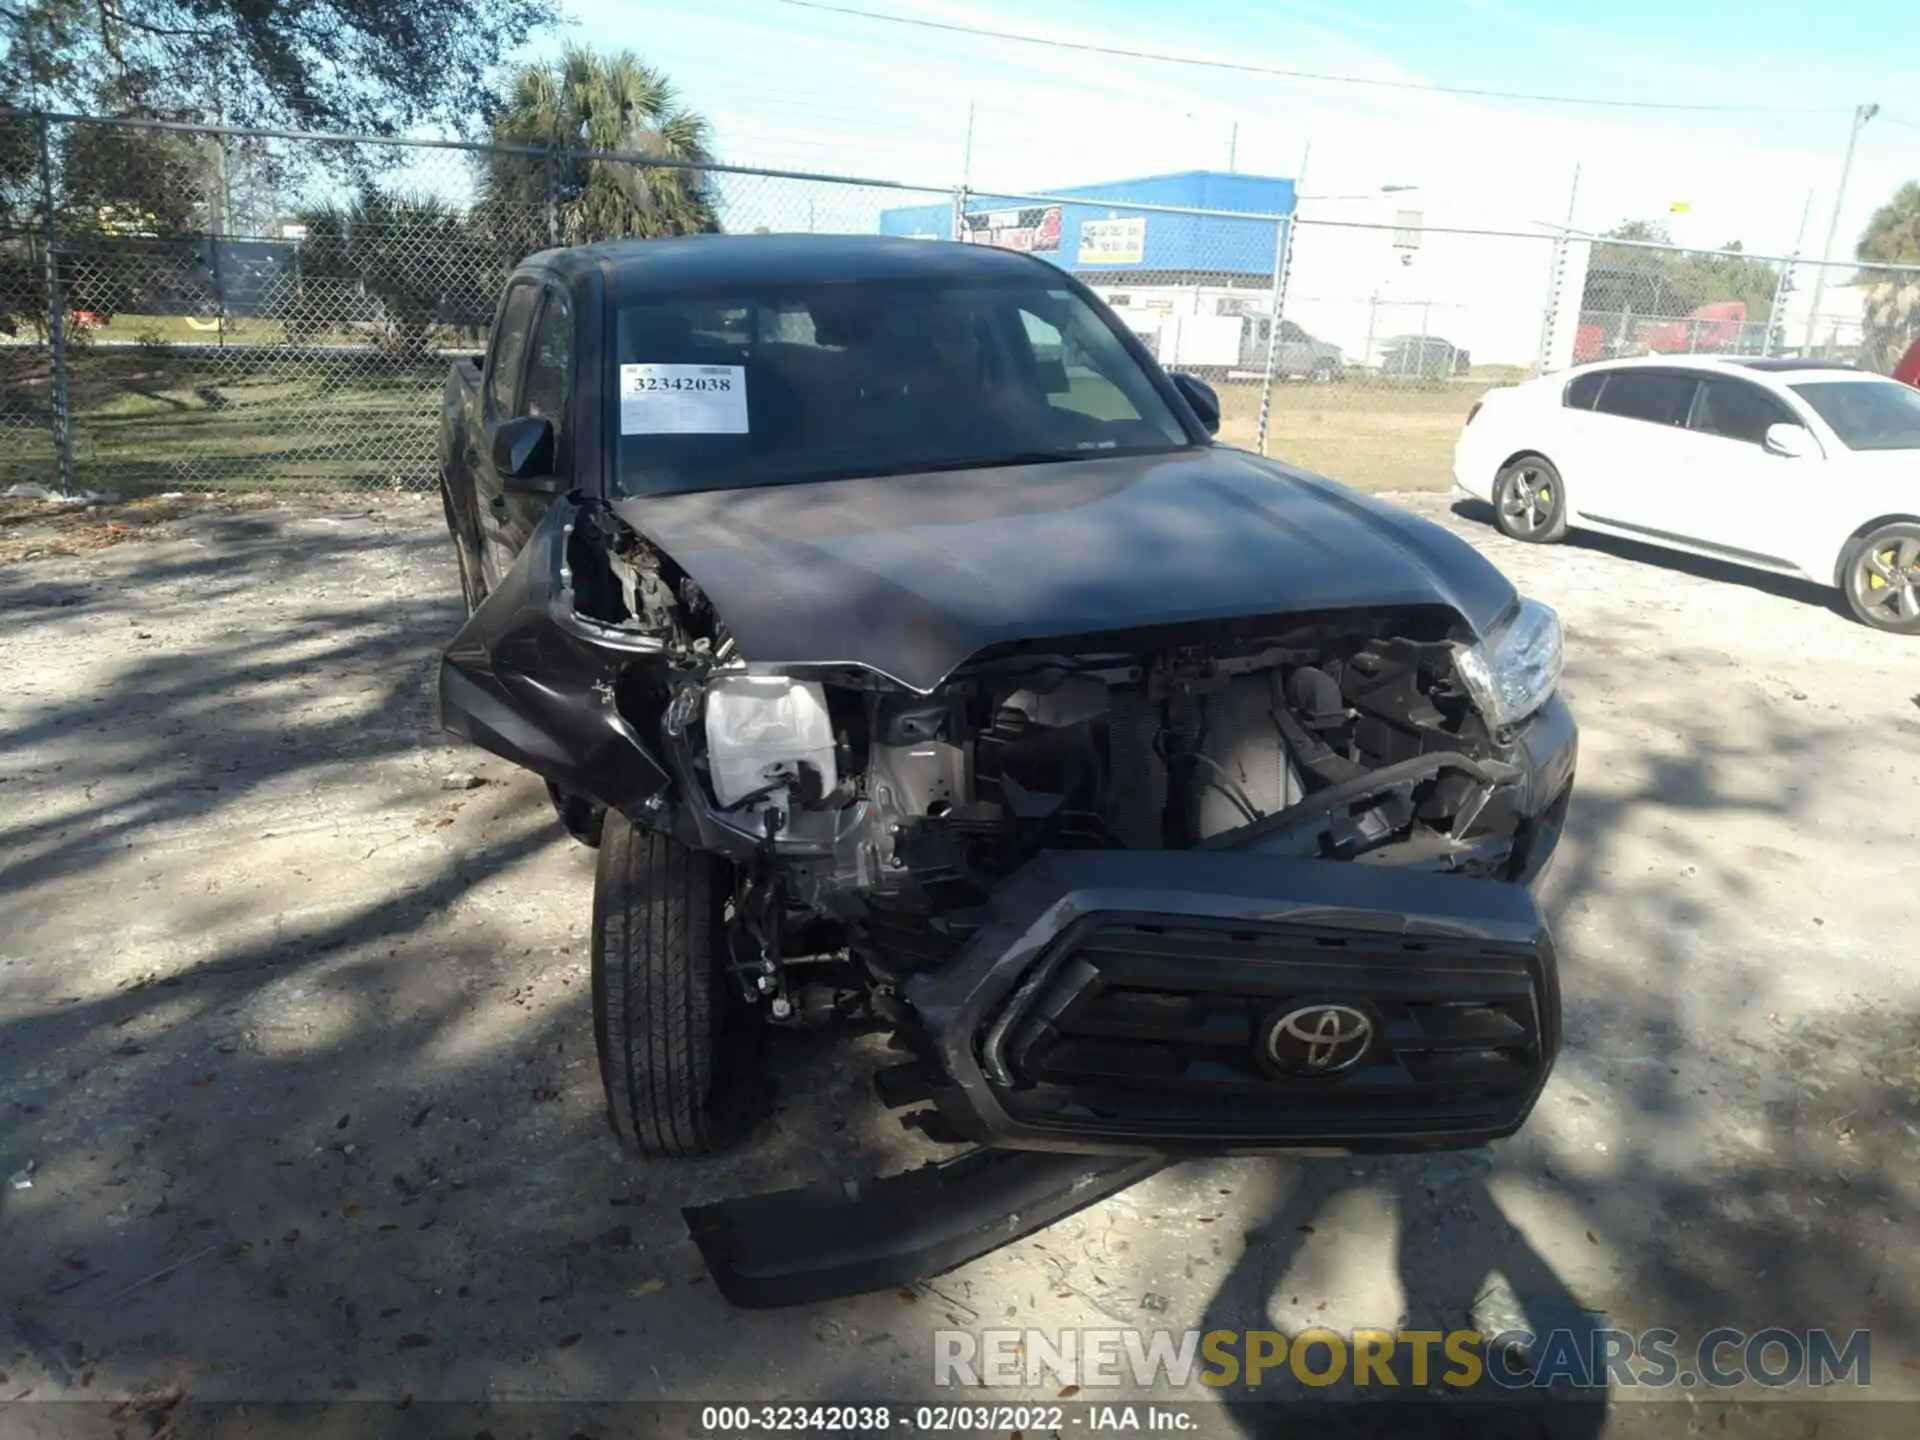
x=1801, y=467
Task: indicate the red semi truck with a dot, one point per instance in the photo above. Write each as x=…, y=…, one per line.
x=1908, y=370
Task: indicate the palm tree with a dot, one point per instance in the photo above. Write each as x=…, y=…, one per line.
x=586, y=103
x=1891, y=310
x=406, y=258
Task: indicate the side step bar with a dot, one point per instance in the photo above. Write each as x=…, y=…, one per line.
x=796, y=1247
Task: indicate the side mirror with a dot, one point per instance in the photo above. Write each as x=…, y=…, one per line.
x=1199, y=395
x=1791, y=441
x=523, y=455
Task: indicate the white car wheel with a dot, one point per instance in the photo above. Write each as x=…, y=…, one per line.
x=1529, y=501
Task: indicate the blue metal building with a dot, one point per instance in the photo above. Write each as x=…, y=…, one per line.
x=1104, y=238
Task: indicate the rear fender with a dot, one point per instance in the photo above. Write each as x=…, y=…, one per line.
x=530, y=680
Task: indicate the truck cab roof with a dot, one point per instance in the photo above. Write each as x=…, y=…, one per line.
x=683, y=264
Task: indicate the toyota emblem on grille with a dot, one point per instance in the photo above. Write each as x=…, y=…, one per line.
x=1319, y=1039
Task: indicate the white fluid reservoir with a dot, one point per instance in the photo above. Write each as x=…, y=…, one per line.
x=761, y=728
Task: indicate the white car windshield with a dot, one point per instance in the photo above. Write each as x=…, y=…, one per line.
x=778, y=384
x=1867, y=414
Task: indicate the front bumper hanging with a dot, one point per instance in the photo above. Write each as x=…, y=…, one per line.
x=1120, y=1009
x=797, y=1247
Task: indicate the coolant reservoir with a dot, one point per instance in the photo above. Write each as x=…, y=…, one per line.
x=763, y=727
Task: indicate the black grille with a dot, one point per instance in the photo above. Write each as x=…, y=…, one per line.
x=1152, y=1027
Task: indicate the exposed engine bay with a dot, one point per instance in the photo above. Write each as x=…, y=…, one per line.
x=1157, y=797
x=1340, y=736
x=1241, y=884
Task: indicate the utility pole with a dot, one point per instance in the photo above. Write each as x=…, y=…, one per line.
x=1233, y=146
x=1861, y=115
x=966, y=157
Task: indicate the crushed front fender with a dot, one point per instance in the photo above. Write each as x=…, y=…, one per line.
x=531, y=681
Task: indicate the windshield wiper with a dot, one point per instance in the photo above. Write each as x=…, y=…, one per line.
x=1014, y=457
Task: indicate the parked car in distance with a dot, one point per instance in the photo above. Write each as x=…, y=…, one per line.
x=1298, y=356
x=1801, y=467
x=894, y=626
x=1424, y=357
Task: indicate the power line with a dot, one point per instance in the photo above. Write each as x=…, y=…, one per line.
x=1247, y=69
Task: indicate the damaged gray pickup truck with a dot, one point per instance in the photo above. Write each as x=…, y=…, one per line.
x=895, y=627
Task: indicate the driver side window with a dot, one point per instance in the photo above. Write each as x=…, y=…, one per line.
x=1736, y=411
x=550, y=366
x=510, y=347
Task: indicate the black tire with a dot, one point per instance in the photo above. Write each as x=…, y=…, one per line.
x=579, y=817
x=1530, y=502
x=674, y=1043
x=473, y=584
x=1881, y=578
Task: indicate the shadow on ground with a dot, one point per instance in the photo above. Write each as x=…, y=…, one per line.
x=1674, y=1176
x=299, y=1078
x=1786, y=587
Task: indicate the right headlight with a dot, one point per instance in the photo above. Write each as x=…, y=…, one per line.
x=1514, y=670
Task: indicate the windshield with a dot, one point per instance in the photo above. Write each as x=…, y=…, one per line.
x=1867, y=414
x=773, y=385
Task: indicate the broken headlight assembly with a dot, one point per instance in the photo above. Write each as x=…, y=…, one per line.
x=767, y=734
x=1514, y=671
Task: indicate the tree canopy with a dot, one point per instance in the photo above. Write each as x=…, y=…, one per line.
x=417, y=256
x=588, y=101
x=346, y=65
x=1891, y=311
x=1673, y=282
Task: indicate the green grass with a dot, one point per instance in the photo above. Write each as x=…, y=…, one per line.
x=1370, y=434
x=148, y=420
x=185, y=330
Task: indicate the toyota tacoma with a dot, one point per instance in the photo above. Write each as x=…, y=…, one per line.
x=898, y=631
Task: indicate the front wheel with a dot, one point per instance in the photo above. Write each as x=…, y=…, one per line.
x=676, y=1046
x=1881, y=579
x=1529, y=502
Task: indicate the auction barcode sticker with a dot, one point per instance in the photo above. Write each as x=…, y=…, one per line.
x=683, y=400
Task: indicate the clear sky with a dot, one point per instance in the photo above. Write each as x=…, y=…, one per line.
x=794, y=87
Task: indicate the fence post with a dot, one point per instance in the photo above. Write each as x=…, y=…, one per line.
x=1556, y=282
x=553, y=201
x=1282, y=264
x=1773, y=310
x=56, y=315
x=959, y=212
x=1550, y=317
x=221, y=229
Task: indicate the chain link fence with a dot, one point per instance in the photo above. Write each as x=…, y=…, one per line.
x=1621, y=298
x=184, y=307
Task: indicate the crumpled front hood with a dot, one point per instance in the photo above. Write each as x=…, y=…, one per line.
x=909, y=575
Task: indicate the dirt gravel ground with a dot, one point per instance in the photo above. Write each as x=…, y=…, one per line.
x=297, y=1084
